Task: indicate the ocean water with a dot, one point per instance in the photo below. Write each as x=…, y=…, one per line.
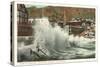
x=52, y=43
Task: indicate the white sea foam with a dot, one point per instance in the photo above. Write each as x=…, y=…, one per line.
x=55, y=41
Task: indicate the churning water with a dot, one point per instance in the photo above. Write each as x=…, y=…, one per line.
x=55, y=42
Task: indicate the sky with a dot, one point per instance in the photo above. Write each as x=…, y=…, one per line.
x=36, y=5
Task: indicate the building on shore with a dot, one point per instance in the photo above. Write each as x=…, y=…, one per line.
x=24, y=27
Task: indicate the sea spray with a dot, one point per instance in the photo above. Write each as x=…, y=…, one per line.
x=55, y=41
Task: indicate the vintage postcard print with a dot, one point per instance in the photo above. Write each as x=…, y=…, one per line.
x=52, y=33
